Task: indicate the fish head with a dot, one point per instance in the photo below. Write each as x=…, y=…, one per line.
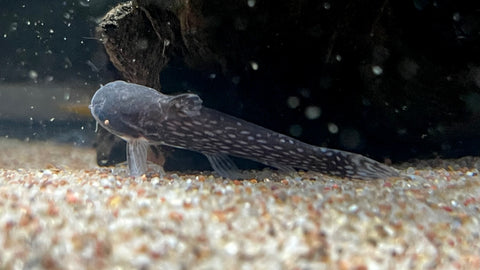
x=124, y=109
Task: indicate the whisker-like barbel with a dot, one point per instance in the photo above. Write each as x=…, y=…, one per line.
x=142, y=116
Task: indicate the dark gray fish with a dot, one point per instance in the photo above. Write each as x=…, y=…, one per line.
x=143, y=116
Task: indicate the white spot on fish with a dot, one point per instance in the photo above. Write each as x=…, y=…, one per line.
x=282, y=140
x=181, y=144
x=197, y=123
x=244, y=132
x=213, y=122
x=178, y=134
x=258, y=135
x=290, y=141
x=233, y=136
x=267, y=147
x=278, y=147
x=239, y=124
x=250, y=138
x=300, y=150
x=262, y=141
x=242, y=142
x=238, y=152
x=209, y=133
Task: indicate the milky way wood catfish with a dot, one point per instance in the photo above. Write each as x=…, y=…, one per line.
x=143, y=116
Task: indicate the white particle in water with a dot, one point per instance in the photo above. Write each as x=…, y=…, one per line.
x=51, y=31
x=332, y=128
x=251, y=3
x=293, y=102
x=313, y=112
x=338, y=57
x=295, y=130
x=254, y=65
x=327, y=5
x=32, y=74
x=456, y=16
x=377, y=70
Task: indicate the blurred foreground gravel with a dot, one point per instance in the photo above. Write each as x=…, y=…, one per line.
x=59, y=211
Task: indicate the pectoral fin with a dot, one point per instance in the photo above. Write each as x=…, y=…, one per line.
x=137, y=156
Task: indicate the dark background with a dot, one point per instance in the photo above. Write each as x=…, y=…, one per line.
x=423, y=104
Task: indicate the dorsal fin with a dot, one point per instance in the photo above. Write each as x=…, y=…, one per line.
x=186, y=105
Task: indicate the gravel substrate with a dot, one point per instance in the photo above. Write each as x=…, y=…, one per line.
x=59, y=211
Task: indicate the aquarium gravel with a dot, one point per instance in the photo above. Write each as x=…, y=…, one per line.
x=59, y=211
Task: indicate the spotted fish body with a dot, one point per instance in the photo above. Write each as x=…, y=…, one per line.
x=143, y=116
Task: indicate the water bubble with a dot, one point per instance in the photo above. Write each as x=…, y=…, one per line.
x=51, y=31
x=293, y=102
x=313, y=112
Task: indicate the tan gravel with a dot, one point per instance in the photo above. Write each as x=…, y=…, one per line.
x=59, y=211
